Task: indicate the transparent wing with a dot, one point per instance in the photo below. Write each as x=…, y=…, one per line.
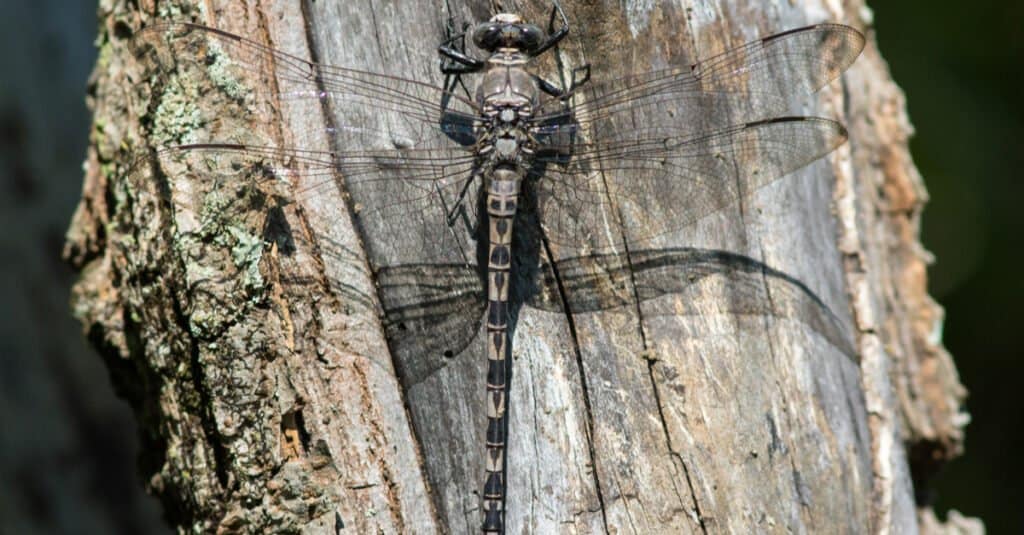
x=229, y=60
x=650, y=182
x=405, y=173
x=642, y=156
x=753, y=81
x=395, y=193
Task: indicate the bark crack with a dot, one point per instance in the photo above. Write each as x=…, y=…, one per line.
x=583, y=379
x=205, y=406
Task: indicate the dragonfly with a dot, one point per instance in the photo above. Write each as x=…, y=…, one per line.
x=459, y=196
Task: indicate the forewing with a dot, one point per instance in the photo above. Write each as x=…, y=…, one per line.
x=753, y=81
x=167, y=48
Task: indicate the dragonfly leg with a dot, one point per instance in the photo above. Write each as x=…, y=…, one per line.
x=575, y=84
x=454, y=59
x=585, y=69
x=459, y=208
x=457, y=69
x=458, y=212
x=549, y=87
x=554, y=36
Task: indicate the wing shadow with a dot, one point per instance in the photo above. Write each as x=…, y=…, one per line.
x=428, y=323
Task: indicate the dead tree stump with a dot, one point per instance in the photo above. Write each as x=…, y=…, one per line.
x=261, y=375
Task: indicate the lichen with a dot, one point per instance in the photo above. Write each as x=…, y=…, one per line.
x=222, y=258
x=108, y=169
x=177, y=117
x=246, y=253
x=105, y=54
x=169, y=10
x=221, y=70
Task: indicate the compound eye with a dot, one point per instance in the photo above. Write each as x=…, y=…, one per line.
x=488, y=36
x=530, y=37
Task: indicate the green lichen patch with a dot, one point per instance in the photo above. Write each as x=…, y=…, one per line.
x=105, y=53
x=177, y=117
x=222, y=69
x=246, y=253
x=201, y=93
x=175, y=11
x=222, y=258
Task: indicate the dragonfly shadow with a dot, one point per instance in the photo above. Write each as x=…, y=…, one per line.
x=428, y=326
x=278, y=231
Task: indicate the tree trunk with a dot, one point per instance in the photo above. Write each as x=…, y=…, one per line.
x=269, y=400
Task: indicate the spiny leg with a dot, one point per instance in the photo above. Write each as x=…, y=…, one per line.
x=457, y=213
x=554, y=36
x=574, y=84
x=454, y=59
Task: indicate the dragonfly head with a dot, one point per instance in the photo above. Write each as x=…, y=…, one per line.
x=506, y=30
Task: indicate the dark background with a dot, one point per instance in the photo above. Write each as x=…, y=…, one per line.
x=960, y=66
x=67, y=447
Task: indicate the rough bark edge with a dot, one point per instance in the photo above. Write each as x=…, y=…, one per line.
x=909, y=379
x=208, y=491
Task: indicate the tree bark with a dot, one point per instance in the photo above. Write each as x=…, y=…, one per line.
x=269, y=401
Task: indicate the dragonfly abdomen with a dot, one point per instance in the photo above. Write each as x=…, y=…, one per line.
x=502, y=198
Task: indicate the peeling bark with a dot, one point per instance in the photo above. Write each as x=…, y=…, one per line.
x=260, y=372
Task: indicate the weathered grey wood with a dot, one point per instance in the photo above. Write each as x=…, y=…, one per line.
x=708, y=422
x=279, y=406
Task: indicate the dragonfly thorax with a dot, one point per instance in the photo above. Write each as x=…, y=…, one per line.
x=507, y=90
x=506, y=145
x=509, y=97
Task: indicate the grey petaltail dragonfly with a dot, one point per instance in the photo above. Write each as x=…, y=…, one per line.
x=487, y=184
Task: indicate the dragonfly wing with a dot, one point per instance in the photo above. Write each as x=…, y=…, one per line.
x=650, y=182
x=239, y=67
x=752, y=81
x=388, y=188
x=432, y=313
